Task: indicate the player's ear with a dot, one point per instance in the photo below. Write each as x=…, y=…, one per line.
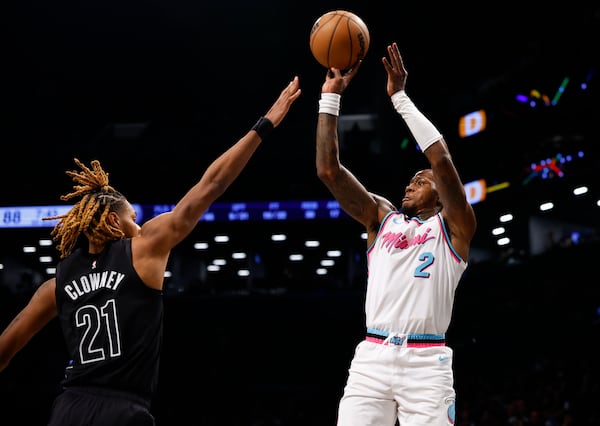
x=113, y=219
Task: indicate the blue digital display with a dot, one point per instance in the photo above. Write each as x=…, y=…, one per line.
x=32, y=216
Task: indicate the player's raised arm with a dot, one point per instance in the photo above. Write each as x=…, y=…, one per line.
x=457, y=211
x=167, y=230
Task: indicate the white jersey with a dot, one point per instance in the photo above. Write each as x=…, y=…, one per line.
x=413, y=272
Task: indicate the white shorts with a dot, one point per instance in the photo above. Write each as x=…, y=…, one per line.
x=389, y=382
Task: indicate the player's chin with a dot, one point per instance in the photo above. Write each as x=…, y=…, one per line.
x=408, y=209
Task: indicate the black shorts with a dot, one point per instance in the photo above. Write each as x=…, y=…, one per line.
x=99, y=407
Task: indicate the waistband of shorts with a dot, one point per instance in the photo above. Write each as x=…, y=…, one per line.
x=409, y=340
x=110, y=393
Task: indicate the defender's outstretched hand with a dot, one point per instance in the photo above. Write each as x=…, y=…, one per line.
x=282, y=105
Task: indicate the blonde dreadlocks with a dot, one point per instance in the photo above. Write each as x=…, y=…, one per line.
x=88, y=215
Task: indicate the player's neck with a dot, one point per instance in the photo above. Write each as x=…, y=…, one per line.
x=426, y=214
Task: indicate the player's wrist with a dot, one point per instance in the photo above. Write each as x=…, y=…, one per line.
x=263, y=127
x=330, y=103
x=424, y=132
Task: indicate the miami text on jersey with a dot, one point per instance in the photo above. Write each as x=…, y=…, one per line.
x=399, y=240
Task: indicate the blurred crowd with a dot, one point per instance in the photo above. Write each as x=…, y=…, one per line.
x=523, y=334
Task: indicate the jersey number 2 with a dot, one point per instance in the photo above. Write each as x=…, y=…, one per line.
x=426, y=259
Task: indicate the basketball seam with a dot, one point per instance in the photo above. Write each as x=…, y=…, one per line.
x=335, y=28
x=349, y=21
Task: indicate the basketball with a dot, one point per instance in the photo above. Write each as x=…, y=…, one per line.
x=339, y=39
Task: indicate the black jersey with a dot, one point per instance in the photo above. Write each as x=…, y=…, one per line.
x=111, y=321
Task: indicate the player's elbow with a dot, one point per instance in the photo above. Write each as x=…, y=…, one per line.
x=327, y=174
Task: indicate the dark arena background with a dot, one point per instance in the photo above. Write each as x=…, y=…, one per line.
x=264, y=301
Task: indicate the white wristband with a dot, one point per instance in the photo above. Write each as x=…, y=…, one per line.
x=330, y=103
x=422, y=129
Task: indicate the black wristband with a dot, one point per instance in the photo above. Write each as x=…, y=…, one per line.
x=263, y=127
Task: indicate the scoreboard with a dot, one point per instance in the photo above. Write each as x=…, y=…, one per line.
x=33, y=216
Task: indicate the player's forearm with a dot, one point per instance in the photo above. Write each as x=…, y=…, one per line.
x=10, y=343
x=424, y=132
x=217, y=178
x=327, y=150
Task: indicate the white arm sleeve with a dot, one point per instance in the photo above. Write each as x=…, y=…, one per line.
x=422, y=129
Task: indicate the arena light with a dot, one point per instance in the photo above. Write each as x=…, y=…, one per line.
x=200, y=246
x=472, y=123
x=476, y=191
x=503, y=241
x=498, y=231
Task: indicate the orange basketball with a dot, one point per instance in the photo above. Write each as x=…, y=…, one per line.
x=339, y=39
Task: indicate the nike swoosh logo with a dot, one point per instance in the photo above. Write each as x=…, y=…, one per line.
x=443, y=358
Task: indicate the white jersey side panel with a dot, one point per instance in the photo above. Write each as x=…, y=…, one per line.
x=413, y=272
